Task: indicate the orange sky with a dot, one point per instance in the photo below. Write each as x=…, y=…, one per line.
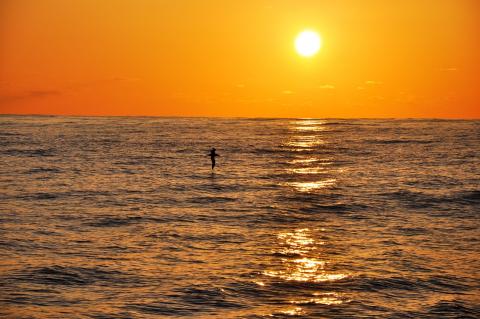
x=410, y=58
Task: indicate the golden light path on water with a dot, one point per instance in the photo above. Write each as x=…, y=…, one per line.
x=310, y=186
x=309, y=125
x=304, y=262
x=304, y=160
x=302, y=258
x=305, y=142
x=300, y=142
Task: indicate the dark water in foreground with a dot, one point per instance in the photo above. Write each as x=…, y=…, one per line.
x=122, y=218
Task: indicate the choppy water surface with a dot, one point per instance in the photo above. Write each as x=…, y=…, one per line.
x=122, y=218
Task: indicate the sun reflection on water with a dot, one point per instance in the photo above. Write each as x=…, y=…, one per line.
x=305, y=267
x=308, y=170
x=304, y=160
x=309, y=128
x=296, y=243
x=301, y=260
x=327, y=298
x=310, y=186
x=305, y=142
x=303, y=165
x=299, y=257
x=308, y=125
x=297, y=311
x=306, y=270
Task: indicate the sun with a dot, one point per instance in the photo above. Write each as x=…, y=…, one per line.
x=307, y=43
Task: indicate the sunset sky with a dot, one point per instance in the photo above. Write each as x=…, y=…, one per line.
x=411, y=58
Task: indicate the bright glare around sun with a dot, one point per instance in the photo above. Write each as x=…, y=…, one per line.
x=307, y=43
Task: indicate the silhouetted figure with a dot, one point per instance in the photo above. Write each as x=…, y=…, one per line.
x=212, y=155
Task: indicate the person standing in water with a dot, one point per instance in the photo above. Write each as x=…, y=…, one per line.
x=212, y=155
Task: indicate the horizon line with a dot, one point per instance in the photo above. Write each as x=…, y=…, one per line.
x=245, y=117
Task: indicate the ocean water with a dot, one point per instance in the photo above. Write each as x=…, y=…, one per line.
x=122, y=217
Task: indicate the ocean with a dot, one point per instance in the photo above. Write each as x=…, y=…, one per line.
x=122, y=217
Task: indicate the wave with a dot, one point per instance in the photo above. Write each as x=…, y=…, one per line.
x=6, y=134
x=207, y=296
x=69, y=276
x=114, y=221
x=418, y=199
x=190, y=301
x=453, y=309
x=468, y=197
x=40, y=196
x=342, y=123
x=224, y=238
x=211, y=199
x=333, y=208
x=40, y=170
x=401, y=141
x=163, y=309
x=41, y=152
x=416, y=284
